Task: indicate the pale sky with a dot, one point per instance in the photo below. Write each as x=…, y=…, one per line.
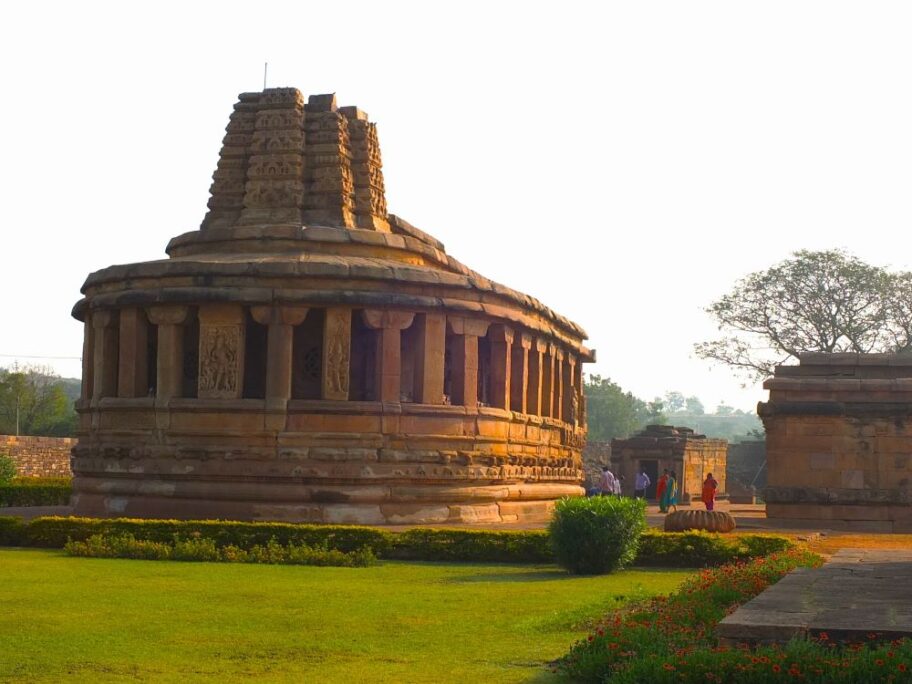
x=623, y=162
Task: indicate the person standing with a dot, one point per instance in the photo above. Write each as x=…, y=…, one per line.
x=660, y=490
x=640, y=484
x=709, y=492
x=608, y=484
x=670, y=498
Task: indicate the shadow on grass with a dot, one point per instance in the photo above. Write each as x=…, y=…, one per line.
x=543, y=575
x=547, y=574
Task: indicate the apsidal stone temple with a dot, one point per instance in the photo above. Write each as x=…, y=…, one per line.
x=306, y=355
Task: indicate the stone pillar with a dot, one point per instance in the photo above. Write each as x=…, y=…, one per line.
x=557, y=406
x=430, y=354
x=105, y=354
x=571, y=401
x=336, y=354
x=279, y=340
x=465, y=358
x=547, y=400
x=519, y=369
x=88, y=358
x=389, y=366
x=133, y=358
x=500, y=339
x=221, y=351
x=536, y=377
x=170, y=360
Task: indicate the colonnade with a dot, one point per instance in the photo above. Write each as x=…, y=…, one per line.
x=145, y=351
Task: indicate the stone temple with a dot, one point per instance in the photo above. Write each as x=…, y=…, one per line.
x=306, y=355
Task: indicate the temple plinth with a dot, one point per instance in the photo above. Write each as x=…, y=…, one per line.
x=305, y=355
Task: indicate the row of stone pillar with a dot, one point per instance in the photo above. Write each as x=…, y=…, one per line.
x=527, y=374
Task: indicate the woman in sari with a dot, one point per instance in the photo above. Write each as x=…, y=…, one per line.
x=660, y=490
x=670, y=496
x=709, y=492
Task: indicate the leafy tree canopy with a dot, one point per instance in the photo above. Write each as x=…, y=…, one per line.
x=39, y=398
x=612, y=412
x=827, y=301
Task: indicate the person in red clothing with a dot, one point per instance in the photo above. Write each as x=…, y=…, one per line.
x=709, y=491
x=660, y=488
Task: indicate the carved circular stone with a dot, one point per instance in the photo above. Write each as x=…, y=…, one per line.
x=711, y=521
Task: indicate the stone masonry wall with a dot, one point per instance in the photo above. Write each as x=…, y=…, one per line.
x=39, y=456
x=839, y=442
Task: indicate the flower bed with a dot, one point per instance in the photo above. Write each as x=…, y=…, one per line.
x=672, y=639
x=662, y=627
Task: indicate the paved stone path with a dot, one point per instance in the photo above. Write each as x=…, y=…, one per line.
x=858, y=592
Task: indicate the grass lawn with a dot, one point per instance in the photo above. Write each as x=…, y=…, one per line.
x=118, y=620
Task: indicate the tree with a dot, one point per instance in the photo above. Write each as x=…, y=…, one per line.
x=826, y=301
x=694, y=406
x=674, y=402
x=33, y=399
x=724, y=409
x=612, y=412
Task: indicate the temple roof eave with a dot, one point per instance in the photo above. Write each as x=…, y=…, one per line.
x=321, y=266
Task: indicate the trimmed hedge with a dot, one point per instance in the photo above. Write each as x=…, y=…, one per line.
x=36, y=491
x=484, y=546
x=680, y=549
x=698, y=549
x=205, y=550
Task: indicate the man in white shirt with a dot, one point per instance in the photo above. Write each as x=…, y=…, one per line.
x=642, y=482
x=608, y=484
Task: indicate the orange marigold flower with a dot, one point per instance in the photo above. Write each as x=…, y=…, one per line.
x=668, y=666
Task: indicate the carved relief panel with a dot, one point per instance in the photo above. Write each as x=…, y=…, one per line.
x=336, y=353
x=221, y=353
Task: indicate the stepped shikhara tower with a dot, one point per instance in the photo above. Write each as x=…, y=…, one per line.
x=305, y=355
x=287, y=162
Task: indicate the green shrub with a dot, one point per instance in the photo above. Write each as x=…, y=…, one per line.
x=597, y=534
x=200, y=549
x=8, y=469
x=24, y=492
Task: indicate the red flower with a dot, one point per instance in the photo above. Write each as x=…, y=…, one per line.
x=901, y=667
x=879, y=662
x=823, y=636
x=776, y=668
x=668, y=666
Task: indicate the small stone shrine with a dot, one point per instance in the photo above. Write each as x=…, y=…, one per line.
x=305, y=355
x=839, y=441
x=690, y=456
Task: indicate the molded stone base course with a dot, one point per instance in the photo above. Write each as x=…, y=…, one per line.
x=690, y=456
x=39, y=456
x=857, y=593
x=305, y=355
x=839, y=442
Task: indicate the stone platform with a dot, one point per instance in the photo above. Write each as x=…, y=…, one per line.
x=858, y=592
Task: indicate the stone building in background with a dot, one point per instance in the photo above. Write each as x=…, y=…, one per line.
x=839, y=441
x=690, y=456
x=306, y=355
